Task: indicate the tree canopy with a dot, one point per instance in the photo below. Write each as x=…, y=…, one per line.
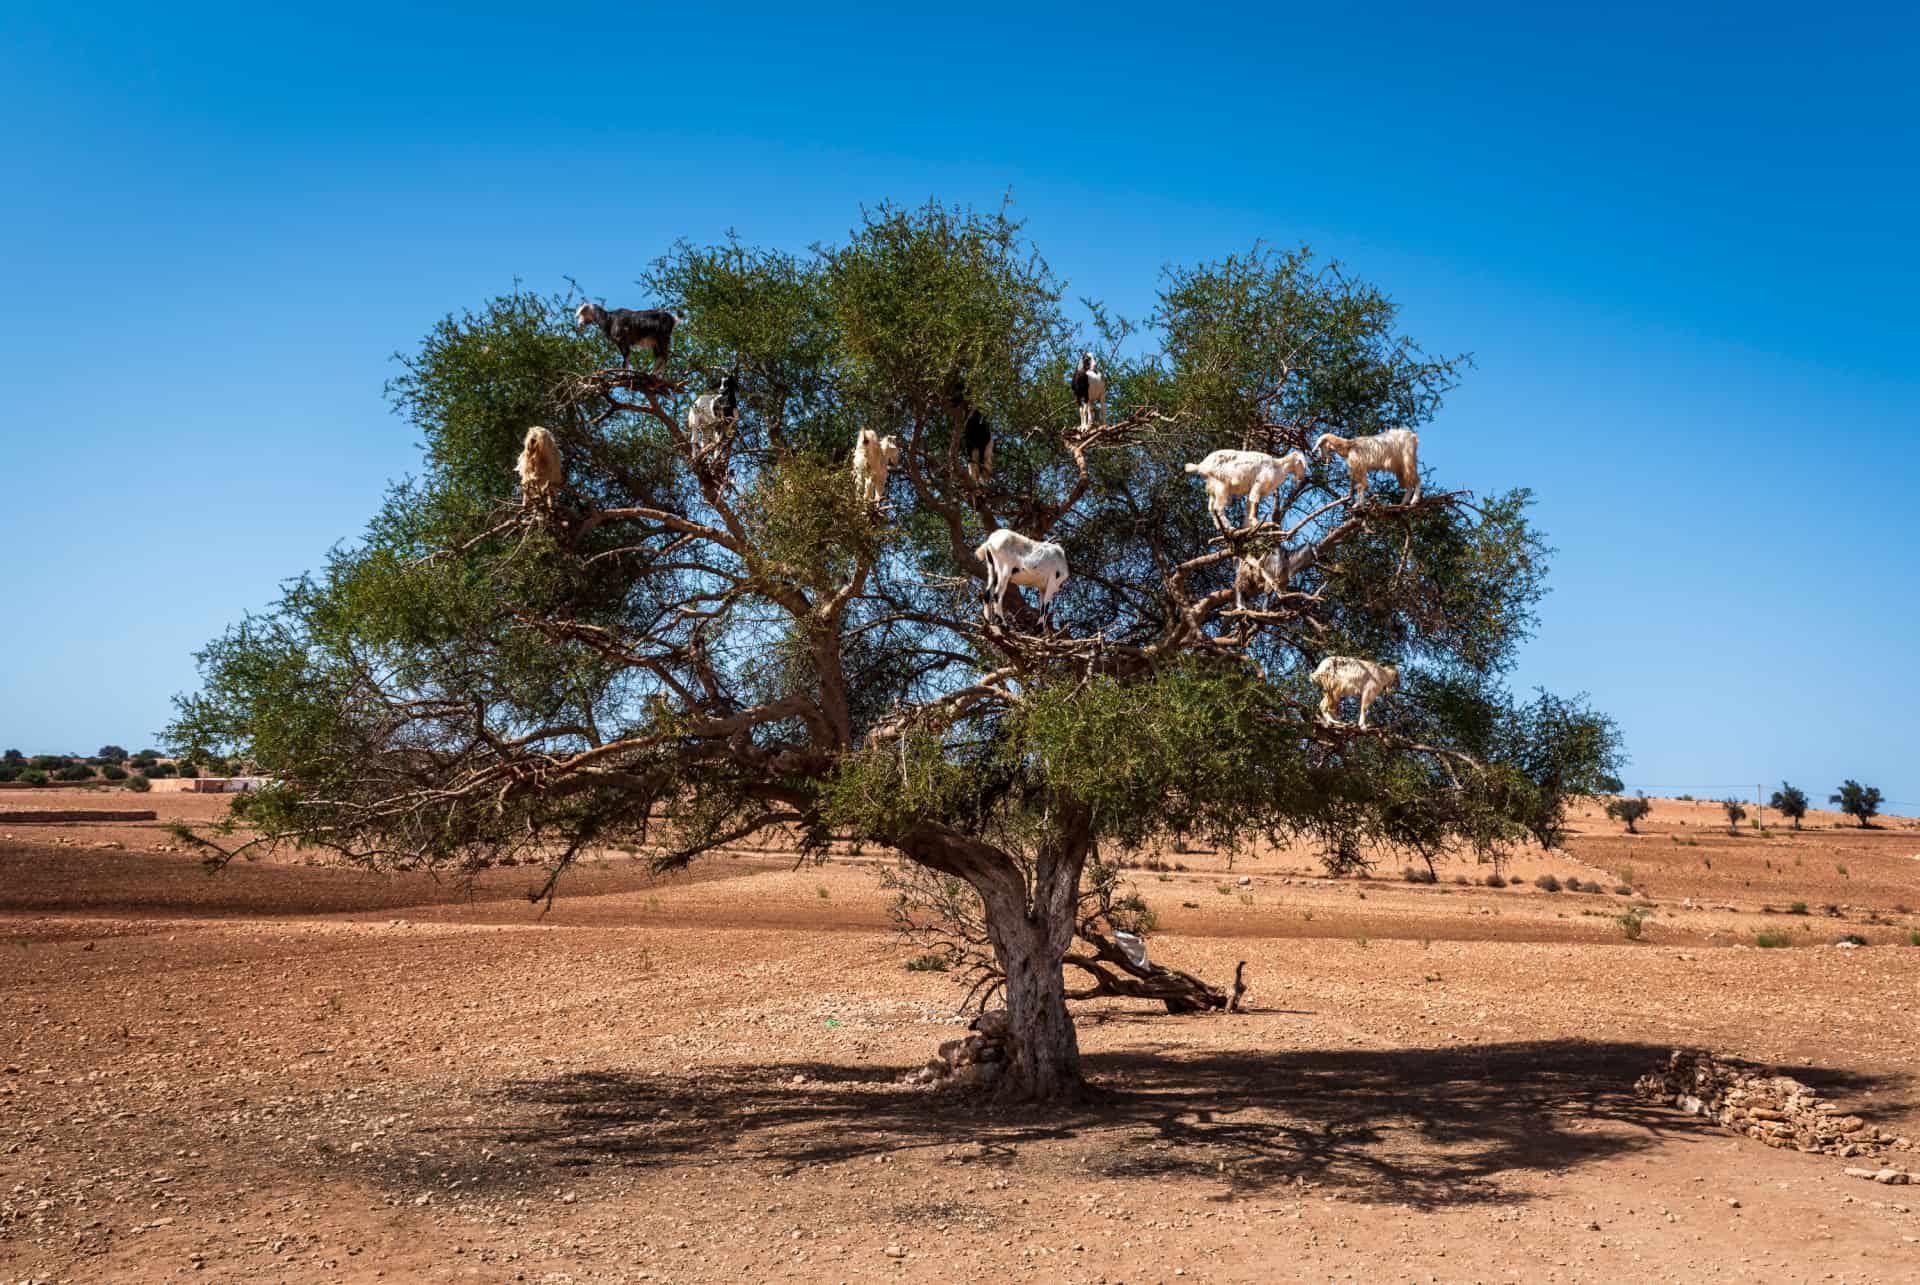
x=694, y=644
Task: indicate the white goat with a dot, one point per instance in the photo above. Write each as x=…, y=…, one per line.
x=539, y=466
x=710, y=417
x=1396, y=451
x=1339, y=677
x=873, y=455
x=1248, y=473
x=1011, y=558
x=1271, y=574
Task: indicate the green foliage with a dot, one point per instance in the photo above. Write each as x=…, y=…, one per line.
x=1772, y=940
x=1629, y=811
x=139, y=784
x=74, y=772
x=111, y=754
x=1631, y=925
x=1546, y=883
x=33, y=776
x=1789, y=801
x=1861, y=802
x=1736, y=813
x=553, y=682
x=188, y=770
x=13, y=758
x=113, y=773
x=162, y=769
x=928, y=962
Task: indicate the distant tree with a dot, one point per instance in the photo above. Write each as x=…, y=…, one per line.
x=9, y=771
x=139, y=784
x=1736, y=813
x=114, y=772
x=162, y=769
x=50, y=762
x=188, y=771
x=33, y=776
x=698, y=646
x=1789, y=801
x=14, y=757
x=1629, y=811
x=1862, y=802
x=111, y=754
x=74, y=772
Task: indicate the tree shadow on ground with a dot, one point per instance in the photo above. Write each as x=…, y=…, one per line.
x=1426, y=1127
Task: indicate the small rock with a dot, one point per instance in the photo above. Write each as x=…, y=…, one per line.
x=1732, y=1203
x=1891, y=1177
x=896, y=1251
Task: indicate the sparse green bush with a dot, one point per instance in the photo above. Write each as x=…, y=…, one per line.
x=188, y=771
x=1797, y=908
x=1843, y=870
x=1861, y=802
x=139, y=784
x=1546, y=883
x=1624, y=890
x=1494, y=880
x=928, y=963
x=1772, y=941
x=1913, y=937
x=1850, y=939
x=1416, y=874
x=1629, y=811
x=33, y=776
x=1630, y=925
x=1224, y=889
x=113, y=772
x=74, y=772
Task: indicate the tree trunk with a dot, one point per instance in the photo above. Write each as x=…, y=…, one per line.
x=1044, y=1048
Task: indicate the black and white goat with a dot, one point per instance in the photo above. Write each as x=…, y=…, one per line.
x=710, y=417
x=1090, y=390
x=629, y=328
x=1013, y=559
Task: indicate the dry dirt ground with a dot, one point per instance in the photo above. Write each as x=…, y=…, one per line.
x=296, y=1073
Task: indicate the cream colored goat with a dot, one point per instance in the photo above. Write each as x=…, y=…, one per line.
x=1396, y=451
x=1339, y=677
x=540, y=468
x=873, y=455
x=1248, y=473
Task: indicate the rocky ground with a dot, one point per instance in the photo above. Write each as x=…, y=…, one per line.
x=290, y=1072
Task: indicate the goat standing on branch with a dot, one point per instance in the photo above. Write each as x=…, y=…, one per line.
x=1011, y=558
x=873, y=455
x=710, y=417
x=978, y=441
x=1339, y=677
x=1248, y=473
x=1090, y=390
x=1396, y=451
x=650, y=329
x=539, y=467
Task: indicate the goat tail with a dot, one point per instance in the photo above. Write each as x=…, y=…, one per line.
x=981, y=553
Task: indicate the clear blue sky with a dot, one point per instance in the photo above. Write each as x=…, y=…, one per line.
x=1681, y=248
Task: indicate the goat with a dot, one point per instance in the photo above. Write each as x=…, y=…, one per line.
x=1271, y=574
x=1248, y=473
x=539, y=466
x=1090, y=390
x=1396, y=451
x=977, y=437
x=872, y=456
x=1338, y=677
x=1011, y=558
x=710, y=417
x=630, y=328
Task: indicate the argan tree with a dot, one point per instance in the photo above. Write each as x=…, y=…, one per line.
x=1736, y=813
x=1861, y=802
x=1629, y=811
x=688, y=646
x=1790, y=801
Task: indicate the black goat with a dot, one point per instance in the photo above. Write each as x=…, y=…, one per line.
x=978, y=440
x=630, y=328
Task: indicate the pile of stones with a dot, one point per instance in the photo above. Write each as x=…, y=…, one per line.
x=973, y=1062
x=1778, y=1110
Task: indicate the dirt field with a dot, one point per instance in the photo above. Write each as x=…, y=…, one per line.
x=297, y=1073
